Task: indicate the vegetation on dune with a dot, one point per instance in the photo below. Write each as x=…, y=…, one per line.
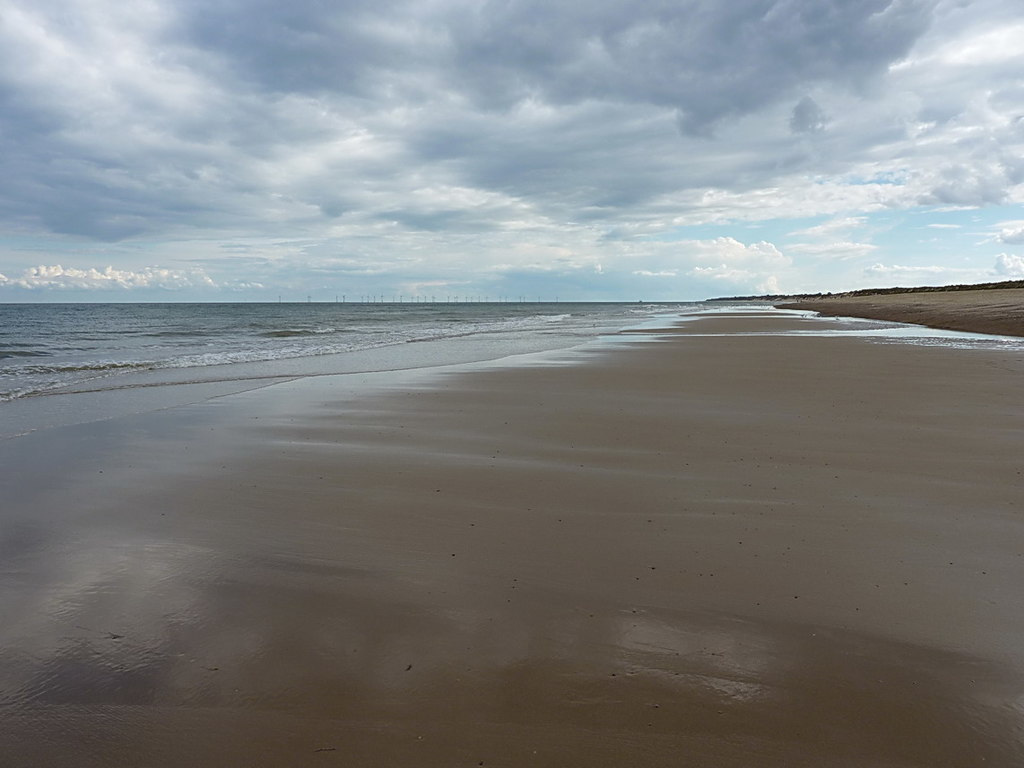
x=877, y=292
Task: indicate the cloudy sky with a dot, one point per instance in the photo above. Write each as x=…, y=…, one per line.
x=582, y=149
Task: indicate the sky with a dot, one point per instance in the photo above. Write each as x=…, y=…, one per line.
x=251, y=150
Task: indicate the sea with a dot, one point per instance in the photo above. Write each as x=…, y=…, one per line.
x=67, y=363
x=63, y=349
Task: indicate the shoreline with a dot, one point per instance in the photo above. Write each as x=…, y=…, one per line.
x=155, y=389
x=997, y=311
x=708, y=544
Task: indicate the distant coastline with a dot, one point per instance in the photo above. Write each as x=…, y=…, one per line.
x=994, y=308
x=793, y=297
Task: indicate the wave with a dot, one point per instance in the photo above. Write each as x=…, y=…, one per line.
x=198, y=340
x=290, y=333
x=192, y=334
x=5, y=353
x=101, y=366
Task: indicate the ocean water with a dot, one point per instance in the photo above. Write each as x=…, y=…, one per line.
x=48, y=349
x=63, y=364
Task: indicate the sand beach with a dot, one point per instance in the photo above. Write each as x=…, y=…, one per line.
x=714, y=544
x=998, y=311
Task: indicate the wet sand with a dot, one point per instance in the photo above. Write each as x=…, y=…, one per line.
x=701, y=550
x=999, y=311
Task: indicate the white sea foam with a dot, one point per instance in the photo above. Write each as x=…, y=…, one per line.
x=45, y=349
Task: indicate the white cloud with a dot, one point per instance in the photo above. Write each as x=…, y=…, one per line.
x=840, y=226
x=724, y=272
x=57, y=277
x=937, y=273
x=738, y=278
x=990, y=46
x=830, y=240
x=728, y=250
x=1012, y=233
x=840, y=250
x=414, y=143
x=1009, y=265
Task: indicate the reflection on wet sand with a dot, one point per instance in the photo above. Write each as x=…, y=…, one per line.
x=431, y=579
x=266, y=663
x=271, y=661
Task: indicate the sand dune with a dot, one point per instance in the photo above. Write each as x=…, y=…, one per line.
x=999, y=311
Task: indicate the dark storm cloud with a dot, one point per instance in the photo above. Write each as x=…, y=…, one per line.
x=485, y=133
x=807, y=117
x=573, y=161
x=437, y=221
x=304, y=46
x=708, y=59
x=115, y=122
